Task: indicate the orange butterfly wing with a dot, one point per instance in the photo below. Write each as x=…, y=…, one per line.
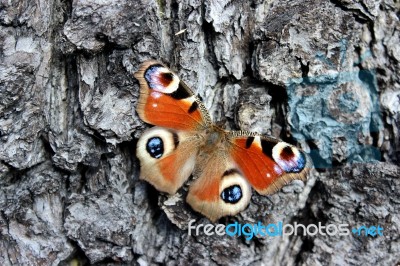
x=268, y=163
x=167, y=101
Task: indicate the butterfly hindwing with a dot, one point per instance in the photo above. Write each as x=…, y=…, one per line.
x=220, y=188
x=167, y=101
x=267, y=163
x=167, y=157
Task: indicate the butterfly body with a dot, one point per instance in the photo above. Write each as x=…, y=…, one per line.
x=224, y=164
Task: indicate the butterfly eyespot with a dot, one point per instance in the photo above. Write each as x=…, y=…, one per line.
x=155, y=147
x=299, y=165
x=232, y=194
x=290, y=159
x=287, y=153
x=166, y=78
x=162, y=80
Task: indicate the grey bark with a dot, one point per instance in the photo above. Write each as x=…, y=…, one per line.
x=69, y=188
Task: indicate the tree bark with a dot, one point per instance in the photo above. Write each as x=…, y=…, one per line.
x=322, y=74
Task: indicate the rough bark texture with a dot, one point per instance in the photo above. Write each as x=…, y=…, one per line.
x=324, y=74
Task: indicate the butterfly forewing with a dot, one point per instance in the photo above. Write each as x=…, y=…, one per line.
x=166, y=101
x=267, y=163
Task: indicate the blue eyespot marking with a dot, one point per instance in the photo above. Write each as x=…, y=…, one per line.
x=155, y=147
x=231, y=194
x=156, y=79
x=292, y=163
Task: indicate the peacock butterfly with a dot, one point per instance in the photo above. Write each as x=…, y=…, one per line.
x=185, y=141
